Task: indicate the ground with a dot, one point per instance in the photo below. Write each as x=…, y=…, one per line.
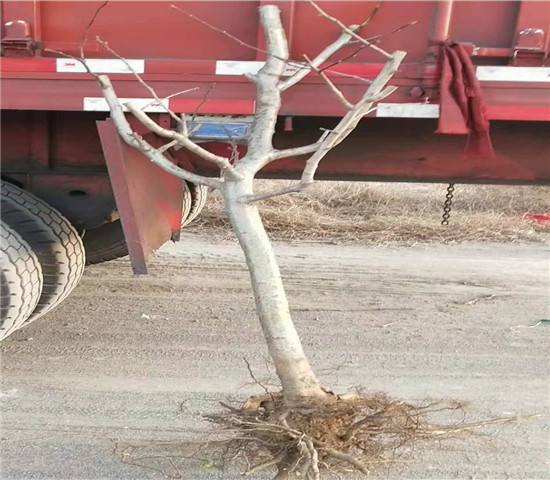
x=134, y=360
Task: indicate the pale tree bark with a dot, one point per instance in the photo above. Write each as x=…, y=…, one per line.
x=293, y=369
x=299, y=383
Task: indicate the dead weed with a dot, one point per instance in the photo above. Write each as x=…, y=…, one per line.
x=380, y=213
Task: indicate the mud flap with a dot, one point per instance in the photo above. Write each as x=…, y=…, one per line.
x=149, y=200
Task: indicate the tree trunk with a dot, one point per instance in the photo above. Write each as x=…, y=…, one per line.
x=297, y=378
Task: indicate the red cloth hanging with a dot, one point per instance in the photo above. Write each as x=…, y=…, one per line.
x=462, y=109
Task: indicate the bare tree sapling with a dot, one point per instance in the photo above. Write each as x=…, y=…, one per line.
x=300, y=386
x=305, y=428
x=236, y=181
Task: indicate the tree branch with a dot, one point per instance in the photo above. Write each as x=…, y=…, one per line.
x=301, y=66
x=268, y=94
x=372, y=15
x=72, y=57
x=183, y=140
x=292, y=152
x=331, y=85
x=134, y=140
x=145, y=85
x=84, y=36
x=342, y=40
x=297, y=151
x=376, y=92
x=348, y=30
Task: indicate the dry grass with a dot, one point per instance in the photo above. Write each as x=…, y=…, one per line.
x=380, y=213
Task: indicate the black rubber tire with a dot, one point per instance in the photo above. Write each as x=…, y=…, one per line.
x=20, y=281
x=53, y=239
x=107, y=242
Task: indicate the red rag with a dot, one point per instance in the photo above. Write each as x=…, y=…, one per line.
x=462, y=107
x=540, y=218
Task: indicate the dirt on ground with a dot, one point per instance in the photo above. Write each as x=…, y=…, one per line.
x=130, y=361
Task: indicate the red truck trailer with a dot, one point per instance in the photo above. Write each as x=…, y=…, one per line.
x=67, y=183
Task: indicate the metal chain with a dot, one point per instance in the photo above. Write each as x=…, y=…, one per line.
x=448, y=204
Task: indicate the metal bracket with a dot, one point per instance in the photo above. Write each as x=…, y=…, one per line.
x=529, y=48
x=149, y=200
x=18, y=41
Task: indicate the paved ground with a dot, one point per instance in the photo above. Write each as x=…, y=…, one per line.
x=114, y=364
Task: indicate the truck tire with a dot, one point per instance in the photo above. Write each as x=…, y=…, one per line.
x=198, y=200
x=20, y=281
x=53, y=239
x=107, y=242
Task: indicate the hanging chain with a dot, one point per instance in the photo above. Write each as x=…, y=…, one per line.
x=448, y=204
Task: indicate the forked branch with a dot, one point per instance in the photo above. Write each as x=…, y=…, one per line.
x=376, y=92
x=184, y=141
x=342, y=41
x=348, y=30
x=156, y=156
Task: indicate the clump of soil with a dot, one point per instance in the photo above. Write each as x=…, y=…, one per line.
x=347, y=433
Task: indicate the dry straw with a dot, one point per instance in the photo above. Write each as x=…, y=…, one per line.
x=379, y=213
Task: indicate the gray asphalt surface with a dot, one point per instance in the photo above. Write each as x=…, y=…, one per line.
x=137, y=361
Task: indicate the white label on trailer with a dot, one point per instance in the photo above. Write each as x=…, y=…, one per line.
x=513, y=74
x=225, y=67
x=100, y=65
x=407, y=110
x=98, y=104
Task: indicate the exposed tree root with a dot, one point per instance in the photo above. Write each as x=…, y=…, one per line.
x=348, y=434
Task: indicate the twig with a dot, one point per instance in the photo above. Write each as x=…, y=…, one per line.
x=264, y=196
x=373, y=13
x=212, y=27
x=380, y=38
x=256, y=380
x=348, y=30
x=229, y=407
x=294, y=152
x=145, y=85
x=331, y=85
x=170, y=96
x=203, y=101
x=168, y=146
x=323, y=56
x=262, y=466
x=347, y=57
x=376, y=39
x=347, y=75
x=66, y=55
x=90, y=23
